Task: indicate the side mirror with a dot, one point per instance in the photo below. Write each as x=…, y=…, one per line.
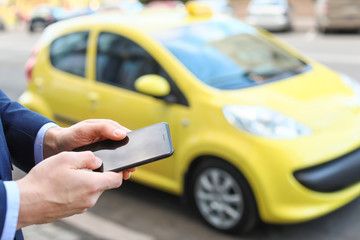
x=153, y=85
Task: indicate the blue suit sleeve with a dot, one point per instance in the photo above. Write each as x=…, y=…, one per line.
x=20, y=128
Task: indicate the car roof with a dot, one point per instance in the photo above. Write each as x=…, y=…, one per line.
x=148, y=20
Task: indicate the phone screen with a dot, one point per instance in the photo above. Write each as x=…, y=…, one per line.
x=141, y=146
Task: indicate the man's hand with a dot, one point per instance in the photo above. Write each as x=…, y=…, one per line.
x=59, y=187
x=59, y=139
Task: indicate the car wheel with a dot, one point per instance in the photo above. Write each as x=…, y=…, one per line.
x=322, y=29
x=223, y=198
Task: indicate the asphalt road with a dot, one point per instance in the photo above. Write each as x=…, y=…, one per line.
x=138, y=212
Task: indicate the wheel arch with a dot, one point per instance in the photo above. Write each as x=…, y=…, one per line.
x=190, y=174
x=196, y=162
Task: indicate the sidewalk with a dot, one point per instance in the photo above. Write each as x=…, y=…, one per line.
x=86, y=226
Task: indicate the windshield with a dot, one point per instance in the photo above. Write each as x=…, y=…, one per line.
x=229, y=54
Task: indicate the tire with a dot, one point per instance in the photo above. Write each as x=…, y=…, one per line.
x=223, y=198
x=322, y=29
x=37, y=25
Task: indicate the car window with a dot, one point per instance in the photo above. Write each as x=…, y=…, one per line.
x=228, y=54
x=120, y=61
x=68, y=53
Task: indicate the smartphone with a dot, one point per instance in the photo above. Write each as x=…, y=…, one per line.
x=139, y=147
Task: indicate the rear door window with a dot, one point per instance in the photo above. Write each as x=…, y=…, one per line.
x=68, y=53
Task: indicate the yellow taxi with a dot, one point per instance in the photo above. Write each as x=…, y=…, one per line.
x=260, y=132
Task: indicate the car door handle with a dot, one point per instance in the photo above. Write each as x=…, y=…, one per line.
x=94, y=100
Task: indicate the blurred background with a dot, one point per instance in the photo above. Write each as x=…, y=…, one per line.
x=152, y=214
x=17, y=11
x=323, y=14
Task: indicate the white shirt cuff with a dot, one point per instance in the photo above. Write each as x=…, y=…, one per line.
x=12, y=210
x=38, y=146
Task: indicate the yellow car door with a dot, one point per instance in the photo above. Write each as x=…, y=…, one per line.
x=119, y=63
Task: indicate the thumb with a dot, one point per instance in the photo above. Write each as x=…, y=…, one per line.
x=87, y=159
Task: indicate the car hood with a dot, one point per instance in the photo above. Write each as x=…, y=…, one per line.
x=317, y=98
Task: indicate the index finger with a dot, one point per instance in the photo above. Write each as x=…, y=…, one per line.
x=107, y=129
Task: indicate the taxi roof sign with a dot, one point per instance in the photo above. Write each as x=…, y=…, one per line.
x=198, y=8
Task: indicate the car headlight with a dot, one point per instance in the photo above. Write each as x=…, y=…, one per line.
x=353, y=85
x=264, y=122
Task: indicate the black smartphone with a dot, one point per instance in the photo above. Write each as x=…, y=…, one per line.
x=139, y=147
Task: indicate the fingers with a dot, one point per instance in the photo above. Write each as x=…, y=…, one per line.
x=87, y=160
x=81, y=160
x=103, y=180
x=100, y=181
x=86, y=132
x=127, y=173
x=108, y=180
x=107, y=129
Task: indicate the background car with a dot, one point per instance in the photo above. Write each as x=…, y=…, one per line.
x=272, y=15
x=2, y=25
x=259, y=131
x=44, y=15
x=337, y=15
x=129, y=6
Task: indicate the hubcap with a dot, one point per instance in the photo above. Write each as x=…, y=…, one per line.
x=219, y=198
